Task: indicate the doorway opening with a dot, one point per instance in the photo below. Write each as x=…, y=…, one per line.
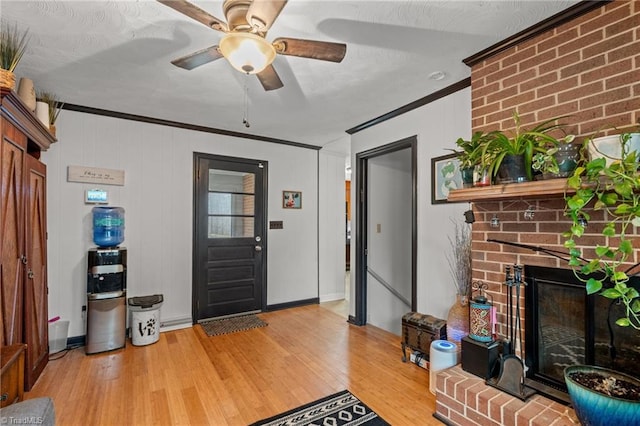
x=386, y=234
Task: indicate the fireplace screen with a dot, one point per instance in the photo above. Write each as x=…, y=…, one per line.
x=564, y=326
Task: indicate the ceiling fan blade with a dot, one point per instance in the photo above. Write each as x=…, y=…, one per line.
x=269, y=78
x=322, y=50
x=198, y=58
x=194, y=12
x=262, y=13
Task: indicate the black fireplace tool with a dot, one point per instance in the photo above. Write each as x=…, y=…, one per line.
x=511, y=376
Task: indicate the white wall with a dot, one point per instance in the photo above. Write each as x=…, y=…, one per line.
x=158, y=199
x=332, y=226
x=437, y=126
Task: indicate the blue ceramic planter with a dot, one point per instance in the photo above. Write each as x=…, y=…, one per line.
x=594, y=408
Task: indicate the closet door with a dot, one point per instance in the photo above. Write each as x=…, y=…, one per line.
x=12, y=157
x=36, y=334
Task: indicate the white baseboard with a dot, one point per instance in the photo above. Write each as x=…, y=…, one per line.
x=331, y=297
x=176, y=324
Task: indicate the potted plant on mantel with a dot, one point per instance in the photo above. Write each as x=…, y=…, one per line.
x=612, y=187
x=510, y=155
x=13, y=44
x=470, y=156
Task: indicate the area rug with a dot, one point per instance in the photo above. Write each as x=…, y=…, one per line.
x=340, y=409
x=216, y=327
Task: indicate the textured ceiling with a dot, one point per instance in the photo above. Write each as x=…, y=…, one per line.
x=115, y=55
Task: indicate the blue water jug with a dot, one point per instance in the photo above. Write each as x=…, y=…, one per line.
x=108, y=226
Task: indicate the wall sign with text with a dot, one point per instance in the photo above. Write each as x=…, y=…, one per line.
x=95, y=175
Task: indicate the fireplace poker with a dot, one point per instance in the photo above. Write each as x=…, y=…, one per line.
x=509, y=282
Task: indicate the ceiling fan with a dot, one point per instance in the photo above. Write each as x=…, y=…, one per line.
x=244, y=44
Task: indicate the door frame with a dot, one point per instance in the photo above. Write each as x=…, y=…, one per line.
x=362, y=236
x=197, y=156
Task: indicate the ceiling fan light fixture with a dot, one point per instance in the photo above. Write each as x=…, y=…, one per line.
x=247, y=52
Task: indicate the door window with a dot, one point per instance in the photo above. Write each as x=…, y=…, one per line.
x=231, y=204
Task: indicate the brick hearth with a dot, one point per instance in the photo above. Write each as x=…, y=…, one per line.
x=464, y=399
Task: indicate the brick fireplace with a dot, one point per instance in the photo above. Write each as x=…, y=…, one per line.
x=587, y=68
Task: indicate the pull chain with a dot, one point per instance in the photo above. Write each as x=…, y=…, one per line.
x=245, y=118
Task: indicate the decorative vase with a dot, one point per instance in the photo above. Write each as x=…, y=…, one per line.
x=7, y=79
x=42, y=112
x=595, y=408
x=27, y=92
x=458, y=321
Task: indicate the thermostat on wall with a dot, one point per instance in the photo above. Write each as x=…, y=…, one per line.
x=96, y=196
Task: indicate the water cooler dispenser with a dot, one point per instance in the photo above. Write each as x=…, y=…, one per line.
x=107, y=282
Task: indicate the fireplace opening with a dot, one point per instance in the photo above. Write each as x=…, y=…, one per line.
x=564, y=326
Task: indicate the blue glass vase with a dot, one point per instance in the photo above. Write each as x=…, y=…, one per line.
x=595, y=408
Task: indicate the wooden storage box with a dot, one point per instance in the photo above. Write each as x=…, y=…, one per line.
x=419, y=330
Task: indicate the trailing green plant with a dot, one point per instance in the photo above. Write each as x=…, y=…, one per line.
x=13, y=44
x=615, y=189
x=55, y=105
x=521, y=142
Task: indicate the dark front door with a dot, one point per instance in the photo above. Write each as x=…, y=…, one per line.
x=229, y=240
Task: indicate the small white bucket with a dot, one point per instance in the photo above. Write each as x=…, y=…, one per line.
x=58, y=336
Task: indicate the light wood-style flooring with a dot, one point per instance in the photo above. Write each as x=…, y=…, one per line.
x=304, y=354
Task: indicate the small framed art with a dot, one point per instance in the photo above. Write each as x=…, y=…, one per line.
x=445, y=176
x=291, y=199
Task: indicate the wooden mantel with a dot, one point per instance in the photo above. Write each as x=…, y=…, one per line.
x=14, y=110
x=542, y=188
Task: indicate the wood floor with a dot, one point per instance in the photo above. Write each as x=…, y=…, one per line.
x=304, y=354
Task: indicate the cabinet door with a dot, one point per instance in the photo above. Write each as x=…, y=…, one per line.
x=35, y=289
x=12, y=156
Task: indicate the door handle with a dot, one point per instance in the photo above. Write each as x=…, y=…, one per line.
x=258, y=248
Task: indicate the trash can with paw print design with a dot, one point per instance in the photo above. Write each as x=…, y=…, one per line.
x=145, y=319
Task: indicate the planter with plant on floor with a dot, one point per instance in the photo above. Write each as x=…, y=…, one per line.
x=612, y=188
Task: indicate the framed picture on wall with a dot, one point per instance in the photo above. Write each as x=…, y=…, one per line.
x=445, y=177
x=291, y=199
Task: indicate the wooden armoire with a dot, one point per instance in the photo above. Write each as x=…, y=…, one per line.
x=23, y=230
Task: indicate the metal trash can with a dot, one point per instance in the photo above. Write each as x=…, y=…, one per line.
x=442, y=355
x=145, y=319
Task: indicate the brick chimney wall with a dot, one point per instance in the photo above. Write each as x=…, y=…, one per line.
x=588, y=68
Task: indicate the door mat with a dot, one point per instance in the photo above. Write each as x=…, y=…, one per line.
x=216, y=327
x=340, y=409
